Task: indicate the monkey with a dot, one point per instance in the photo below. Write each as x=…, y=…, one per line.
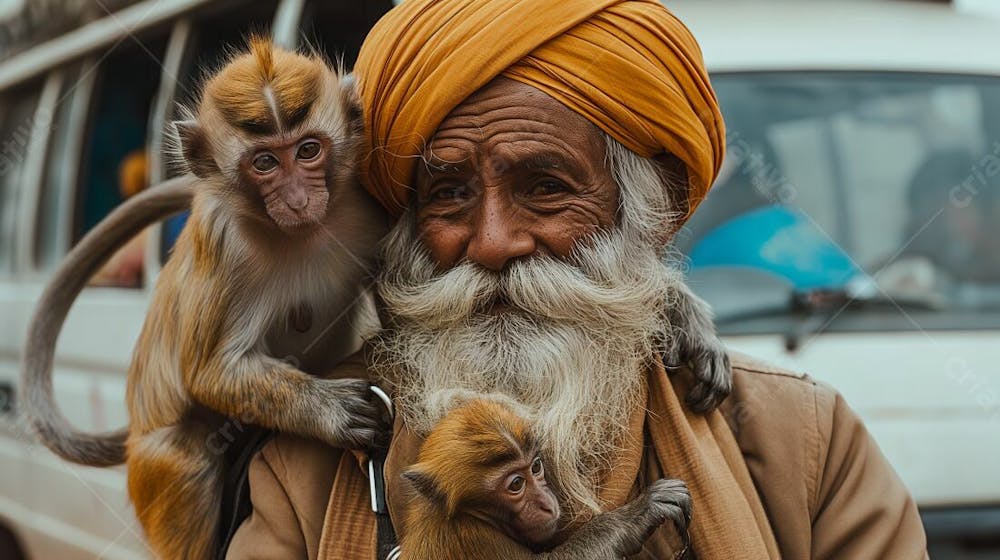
x=480, y=491
x=269, y=265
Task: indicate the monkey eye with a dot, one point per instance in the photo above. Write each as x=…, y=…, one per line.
x=516, y=485
x=265, y=162
x=308, y=150
x=536, y=467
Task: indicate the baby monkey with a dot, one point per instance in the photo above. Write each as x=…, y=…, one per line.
x=481, y=493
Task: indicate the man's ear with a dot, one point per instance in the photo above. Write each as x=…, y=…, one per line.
x=194, y=148
x=423, y=483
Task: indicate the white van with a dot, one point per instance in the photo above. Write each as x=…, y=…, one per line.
x=72, y=109
x=833, y=108
x=855, y=231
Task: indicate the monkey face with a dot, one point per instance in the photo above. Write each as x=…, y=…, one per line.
x=529, y=503
x=290, y=179
x=276, y=133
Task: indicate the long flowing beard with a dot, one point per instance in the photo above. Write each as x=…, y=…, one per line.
x=569, y=341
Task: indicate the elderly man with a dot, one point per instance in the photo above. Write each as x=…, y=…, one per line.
x=539, y=154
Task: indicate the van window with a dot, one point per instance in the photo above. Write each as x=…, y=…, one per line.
x=115, y=143
x=17, y=115
x=53, y=227
x=126, y=85
x=883, y=186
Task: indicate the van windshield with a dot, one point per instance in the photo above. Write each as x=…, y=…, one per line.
x=878, y=186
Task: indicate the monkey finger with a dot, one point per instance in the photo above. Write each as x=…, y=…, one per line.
x=714, y=379
x=673, y=351
x=677, y=510
x=361, y=438
x=680, y=514
x=356, y=398
x=363, y=412
x=672, y=500
x=352, y=387
x=687, y=507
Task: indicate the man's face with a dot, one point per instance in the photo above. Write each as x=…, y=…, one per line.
x=512, y=173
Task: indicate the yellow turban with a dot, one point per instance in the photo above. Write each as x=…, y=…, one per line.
x=628, y=66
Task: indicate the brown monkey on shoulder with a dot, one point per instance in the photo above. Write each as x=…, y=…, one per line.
x=481, y=493
x=269, y=266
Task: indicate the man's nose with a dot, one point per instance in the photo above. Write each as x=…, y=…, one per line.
x=498, y=235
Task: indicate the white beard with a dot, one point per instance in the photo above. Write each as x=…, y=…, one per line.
x=572, y=345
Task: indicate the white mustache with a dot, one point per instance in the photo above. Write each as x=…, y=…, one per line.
x=595, y=279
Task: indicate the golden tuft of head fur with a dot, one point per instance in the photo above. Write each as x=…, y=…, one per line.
x=262, y=50
x=267, y=89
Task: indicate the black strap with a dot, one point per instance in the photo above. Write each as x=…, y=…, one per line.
x=236, y=505
x=384, y=531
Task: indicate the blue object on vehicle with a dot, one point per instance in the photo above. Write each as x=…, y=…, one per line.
x=779, y=240
x=172, y=229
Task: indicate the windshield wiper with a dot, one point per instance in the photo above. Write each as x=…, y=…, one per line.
x=822, y=306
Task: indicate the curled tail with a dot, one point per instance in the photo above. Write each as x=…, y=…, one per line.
x=122, y=224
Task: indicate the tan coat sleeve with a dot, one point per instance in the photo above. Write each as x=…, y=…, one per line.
x=290, y=481
x=861, y=508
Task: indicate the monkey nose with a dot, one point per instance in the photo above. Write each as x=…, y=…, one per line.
x=297, y=201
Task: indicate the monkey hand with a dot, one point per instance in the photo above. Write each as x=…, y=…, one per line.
x=664, y=500
x=670, y=500
x=696, y=345
x=350, y=417
x=709, y=363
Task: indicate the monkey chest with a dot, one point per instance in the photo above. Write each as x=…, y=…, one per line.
x=310, y=336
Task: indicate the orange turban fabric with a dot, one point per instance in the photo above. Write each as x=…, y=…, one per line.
x=629, y=66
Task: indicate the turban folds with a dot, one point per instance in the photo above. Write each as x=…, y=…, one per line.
x=628, y=66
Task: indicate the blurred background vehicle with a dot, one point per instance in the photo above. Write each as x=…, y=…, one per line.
x=853, y=233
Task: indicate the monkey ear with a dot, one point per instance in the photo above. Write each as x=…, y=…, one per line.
x=194, y=148
x=352, y=102
x=423, y=482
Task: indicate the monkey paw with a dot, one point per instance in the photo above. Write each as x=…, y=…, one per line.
x=714, y=378
x=353, y=418
x=669, y=499
x=709, y=363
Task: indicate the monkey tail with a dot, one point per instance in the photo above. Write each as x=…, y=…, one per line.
x=122, y=224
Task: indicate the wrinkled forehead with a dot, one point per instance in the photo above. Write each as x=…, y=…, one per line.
x=507, y=119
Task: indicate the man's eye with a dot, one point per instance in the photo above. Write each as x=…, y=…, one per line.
x=446, y=193
x=265, y=162
x=548, y=187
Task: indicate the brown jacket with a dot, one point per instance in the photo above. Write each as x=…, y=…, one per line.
x=826, y=487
